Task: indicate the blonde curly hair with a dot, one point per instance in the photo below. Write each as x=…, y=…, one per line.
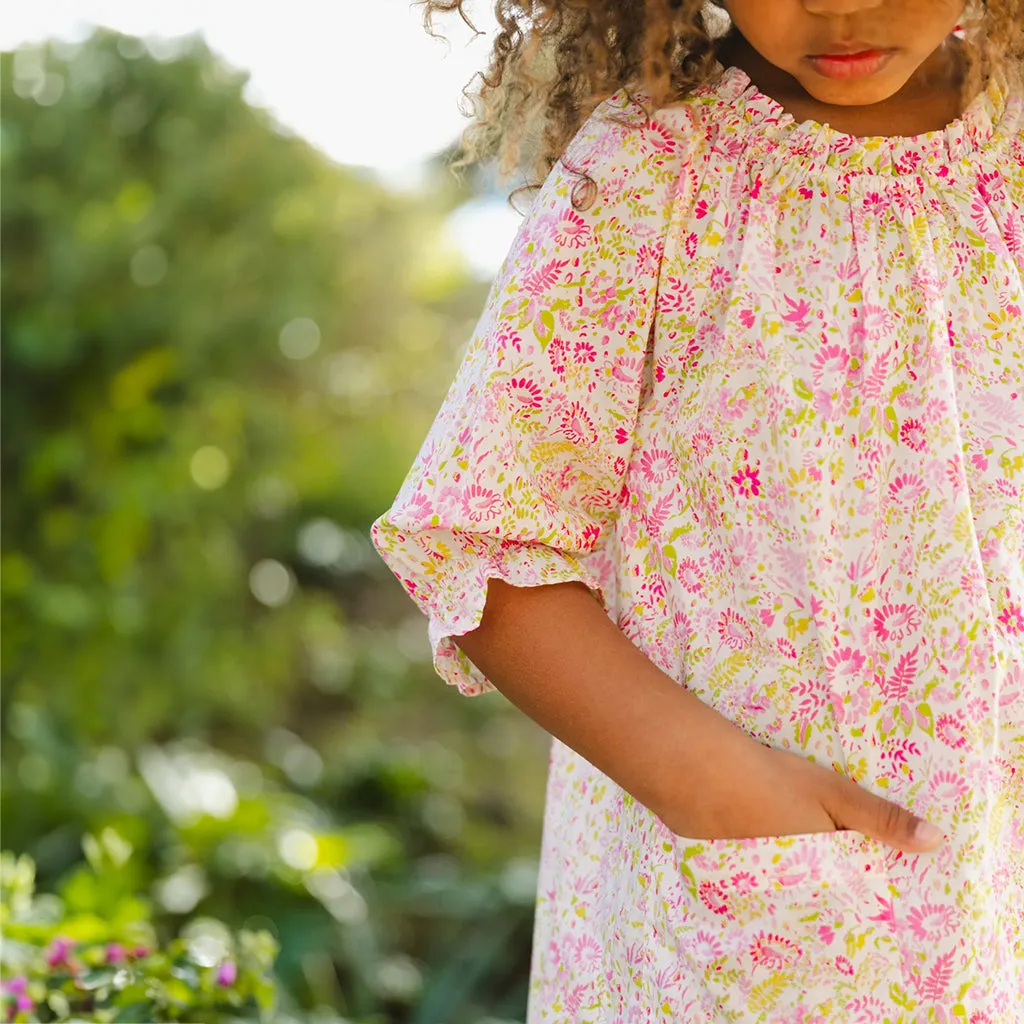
x=554, y=61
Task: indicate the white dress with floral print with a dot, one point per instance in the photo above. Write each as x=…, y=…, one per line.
x=766, y=395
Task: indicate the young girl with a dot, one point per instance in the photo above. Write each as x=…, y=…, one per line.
x=727, y=495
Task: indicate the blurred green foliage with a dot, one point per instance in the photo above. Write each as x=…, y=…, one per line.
x=220, y=353
x=92, y=953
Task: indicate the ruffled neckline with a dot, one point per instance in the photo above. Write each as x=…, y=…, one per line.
x=771, y=130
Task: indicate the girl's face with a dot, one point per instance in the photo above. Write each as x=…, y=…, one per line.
x=847, y=52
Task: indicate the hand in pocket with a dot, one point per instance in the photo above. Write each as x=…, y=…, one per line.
x=747, y=790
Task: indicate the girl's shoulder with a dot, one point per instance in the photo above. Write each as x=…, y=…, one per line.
x=627, y=132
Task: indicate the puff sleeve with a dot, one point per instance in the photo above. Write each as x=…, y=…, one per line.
x=522, y=472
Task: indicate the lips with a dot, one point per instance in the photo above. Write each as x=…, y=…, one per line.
x=852, y=47
x=857, y=61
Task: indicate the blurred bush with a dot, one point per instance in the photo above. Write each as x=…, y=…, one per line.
x=220, y=353
x=92, y=953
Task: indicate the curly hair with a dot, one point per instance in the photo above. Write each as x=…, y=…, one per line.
x=554, y=61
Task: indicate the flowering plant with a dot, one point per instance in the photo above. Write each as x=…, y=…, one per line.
x=62, y=961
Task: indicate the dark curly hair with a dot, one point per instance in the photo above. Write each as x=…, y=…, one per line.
x=554, y=61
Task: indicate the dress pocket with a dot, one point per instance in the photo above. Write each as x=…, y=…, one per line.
x=796, y=923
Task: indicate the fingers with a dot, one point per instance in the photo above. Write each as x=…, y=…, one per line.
x=854, y=807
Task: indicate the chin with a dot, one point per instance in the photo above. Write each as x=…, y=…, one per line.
x=851, y=94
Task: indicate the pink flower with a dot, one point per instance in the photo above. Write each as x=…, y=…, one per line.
x=947, y=789
x=720, y=278
x=845, y=663
x=950, y=730
x=875, y=204
x=479, y=503
x=912, y=434
x=574, y=999
x=677, y=297
x=577, y=425
x=843, y=966
x=508, y=338
x=584, y=352
x=626, y=369
x=648, y=258
x=931, y=922
x=557, y=355
x=830, y=360
x=227, y=973
x=658, y=465
x=587, y=951
x=702, y=444
x=116, y=953
x=896, y=621
x=748, y=481
x=978, y=709
x=774, y=951
x=743, y=883
x=572, y=231
x=786, y=649
x=58, y=951
x=830, y=405
x=734, y=631
x=601, y=288
x=1012, y=617
x=706, y=947
x=877, y=321
x=713, y=896
x=690, y=575
x=906, y=489
x=525, y=392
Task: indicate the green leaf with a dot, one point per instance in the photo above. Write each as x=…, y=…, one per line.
x=97, y=978
x=671, y=558
x=802, y=390
x=186, y=972
x=545, y=328
x=136, y=1013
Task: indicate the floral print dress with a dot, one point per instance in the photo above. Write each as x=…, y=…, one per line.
x=765, y=395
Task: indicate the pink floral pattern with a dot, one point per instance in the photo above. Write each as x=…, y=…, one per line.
x=765, y=396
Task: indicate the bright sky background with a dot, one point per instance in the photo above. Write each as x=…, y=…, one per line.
x=359, y=78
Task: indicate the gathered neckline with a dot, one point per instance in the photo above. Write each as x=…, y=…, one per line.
x=996, y=110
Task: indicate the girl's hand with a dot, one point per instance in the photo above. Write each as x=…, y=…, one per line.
x=752, y=791
x=555, y=654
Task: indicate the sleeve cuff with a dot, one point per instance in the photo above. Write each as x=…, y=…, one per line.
x=456, y=606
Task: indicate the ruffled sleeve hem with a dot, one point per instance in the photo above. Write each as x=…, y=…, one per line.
x=459, y=607
x=448, y=577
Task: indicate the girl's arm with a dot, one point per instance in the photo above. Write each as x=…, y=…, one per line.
x=555, y=654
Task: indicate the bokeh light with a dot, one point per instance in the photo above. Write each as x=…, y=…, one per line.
x=299, y=338
x=210, y=467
